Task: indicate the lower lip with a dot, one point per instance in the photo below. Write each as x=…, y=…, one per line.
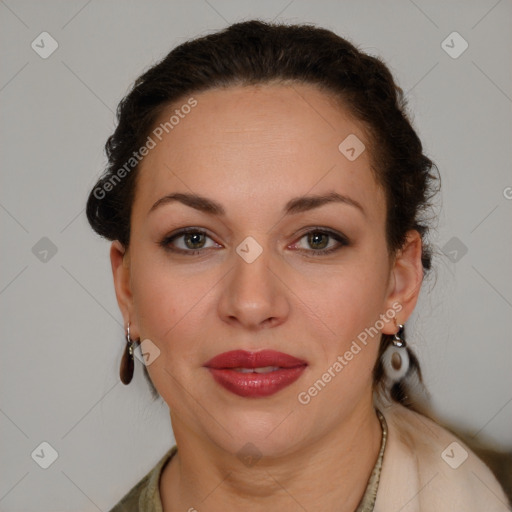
x=256, y=385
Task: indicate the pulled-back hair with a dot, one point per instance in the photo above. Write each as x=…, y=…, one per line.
x=255, y=52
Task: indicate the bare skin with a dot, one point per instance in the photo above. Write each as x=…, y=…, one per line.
x=253, y=149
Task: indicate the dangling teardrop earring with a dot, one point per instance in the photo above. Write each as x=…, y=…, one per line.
x=127, y=366
x=395, y=359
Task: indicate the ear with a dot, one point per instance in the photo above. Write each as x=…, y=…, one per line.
x=405, y=281
x=120, y=262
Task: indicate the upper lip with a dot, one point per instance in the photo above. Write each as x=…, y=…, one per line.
x=245, y=359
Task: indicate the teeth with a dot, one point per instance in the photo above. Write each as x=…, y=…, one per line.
x=264, y=369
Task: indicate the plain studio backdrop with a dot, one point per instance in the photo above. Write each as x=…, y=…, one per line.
x=62, y=333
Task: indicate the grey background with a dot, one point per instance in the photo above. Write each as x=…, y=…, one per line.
x=62, y=332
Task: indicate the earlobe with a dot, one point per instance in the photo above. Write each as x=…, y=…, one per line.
x=121, y=275
x=406, y=279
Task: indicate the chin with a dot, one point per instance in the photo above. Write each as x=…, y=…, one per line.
x=263, y=432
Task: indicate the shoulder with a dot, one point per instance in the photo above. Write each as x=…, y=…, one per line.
x=426, y=467
x=130, y=501
x=145, y=495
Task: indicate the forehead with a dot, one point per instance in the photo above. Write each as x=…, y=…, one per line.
x=239, y=142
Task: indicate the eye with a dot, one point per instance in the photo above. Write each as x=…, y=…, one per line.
x=323, y=241
x=188, y=241
x=192, y=241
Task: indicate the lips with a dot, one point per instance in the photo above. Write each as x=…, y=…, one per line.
x=244, y=359
x=255, y=374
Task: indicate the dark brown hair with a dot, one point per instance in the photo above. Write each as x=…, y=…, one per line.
x=255, y=52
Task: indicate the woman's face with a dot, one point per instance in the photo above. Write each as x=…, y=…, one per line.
x=250, y=277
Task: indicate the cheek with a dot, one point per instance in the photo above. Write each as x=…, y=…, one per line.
x=350, y=307
x=162, y=300
x=168, y=311
x=351, y=299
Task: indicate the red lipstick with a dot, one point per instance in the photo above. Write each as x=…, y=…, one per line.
x=255, y=374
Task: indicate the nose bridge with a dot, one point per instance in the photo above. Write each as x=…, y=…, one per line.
x=253, y=294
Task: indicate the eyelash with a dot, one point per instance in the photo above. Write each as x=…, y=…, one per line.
x=342, y=241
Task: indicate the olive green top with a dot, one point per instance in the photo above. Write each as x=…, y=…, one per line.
x=145, y=496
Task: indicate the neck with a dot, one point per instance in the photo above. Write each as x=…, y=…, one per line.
x=331, y=473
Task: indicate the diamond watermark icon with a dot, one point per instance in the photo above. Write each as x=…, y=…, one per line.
x=249, y=455
x=45, y=455
x=454, y=45
x=454, y=455
x=146, y=352
x=44, y=250
x=249, y=249
x=44, y=45
x=351, y=147
x=454, y=249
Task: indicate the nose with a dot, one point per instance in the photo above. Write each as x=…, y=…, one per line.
x=254, y=296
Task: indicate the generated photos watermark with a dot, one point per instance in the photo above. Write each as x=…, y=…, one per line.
x=305, y=397
x=101, y=191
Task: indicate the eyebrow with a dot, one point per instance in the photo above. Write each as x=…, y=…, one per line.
x=293, y=206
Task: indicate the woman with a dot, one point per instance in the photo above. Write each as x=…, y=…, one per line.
x=264, y=196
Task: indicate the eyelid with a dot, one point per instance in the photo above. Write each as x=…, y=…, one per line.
x=171, y=237
x=321, y=229
x=340, y=238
